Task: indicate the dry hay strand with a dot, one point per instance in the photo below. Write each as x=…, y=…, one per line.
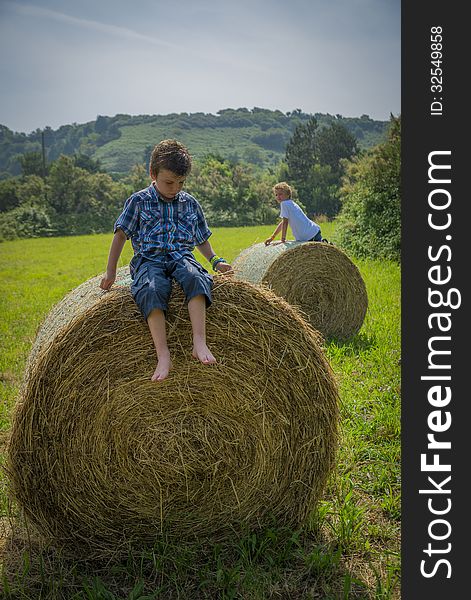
x=100, y=456
x=316, y=277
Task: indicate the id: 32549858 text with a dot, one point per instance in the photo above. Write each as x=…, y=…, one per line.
x=436, y=70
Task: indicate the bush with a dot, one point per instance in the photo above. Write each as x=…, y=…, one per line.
x=24, y=222
x=9, y=197
x=273, y=139
x=369, y=223
x=232, y=194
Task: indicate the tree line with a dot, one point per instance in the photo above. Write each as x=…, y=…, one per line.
x=74, y=196
x=267, y=131
x=330, y=176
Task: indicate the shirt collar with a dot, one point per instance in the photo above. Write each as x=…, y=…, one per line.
x=180, y=197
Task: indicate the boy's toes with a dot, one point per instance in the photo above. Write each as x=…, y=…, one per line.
x=208, y=360
x=162, y=370
x=205, y=357
x=158, y=376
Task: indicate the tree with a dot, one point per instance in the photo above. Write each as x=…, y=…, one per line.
x=102, y=123
x=63, y=182
x=301, y=150
x=32, y=164
x=369, y=223
x=139, y=177
x=335, y=143
x=253, y=155
x=80, y=202
x=321, y=196
x=86, y=162
x=232, y=194
x=32, y=191
x=9, y=197
x=25, y=221
x=314, y=159
x=211, y=182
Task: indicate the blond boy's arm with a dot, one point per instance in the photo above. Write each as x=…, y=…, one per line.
x=284, y=229
x=119, y=239
x=282, y=226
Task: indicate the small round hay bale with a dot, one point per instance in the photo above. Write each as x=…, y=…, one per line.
x=101, y=456
x=316, y=277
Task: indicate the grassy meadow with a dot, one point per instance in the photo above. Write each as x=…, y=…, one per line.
x=350, y=548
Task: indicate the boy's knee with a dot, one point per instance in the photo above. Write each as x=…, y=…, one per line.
x=148, y=299
x=194, y=280
x=197, y=285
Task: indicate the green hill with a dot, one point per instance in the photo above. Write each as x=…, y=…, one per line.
x=256, y=136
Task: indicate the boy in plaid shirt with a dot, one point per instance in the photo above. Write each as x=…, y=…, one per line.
x=164, y=224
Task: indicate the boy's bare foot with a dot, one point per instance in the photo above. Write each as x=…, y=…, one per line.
x=202, y=353
x=164, y=364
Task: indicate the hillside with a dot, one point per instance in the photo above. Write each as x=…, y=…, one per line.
x=257, y=136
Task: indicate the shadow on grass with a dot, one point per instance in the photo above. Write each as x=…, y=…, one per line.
x=354, y=346
x=271, y=563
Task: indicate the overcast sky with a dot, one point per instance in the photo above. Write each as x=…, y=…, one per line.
x=63, y=62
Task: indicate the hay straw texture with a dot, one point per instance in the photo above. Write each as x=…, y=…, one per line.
x=101, y=456
x=316, y=277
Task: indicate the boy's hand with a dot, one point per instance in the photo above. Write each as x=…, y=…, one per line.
x=224, y=267
x=107, y=280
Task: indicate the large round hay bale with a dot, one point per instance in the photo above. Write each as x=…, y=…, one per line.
x=100, y=455
x=317, y=277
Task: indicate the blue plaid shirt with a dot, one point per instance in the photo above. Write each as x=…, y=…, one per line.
x=158, y=227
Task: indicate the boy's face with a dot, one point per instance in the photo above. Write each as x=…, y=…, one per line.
x=169, y=183
x=281, y=195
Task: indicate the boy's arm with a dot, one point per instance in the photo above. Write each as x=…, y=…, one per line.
x=282, y=226
x=284, y=229
x=207, y=251
x=116, y=248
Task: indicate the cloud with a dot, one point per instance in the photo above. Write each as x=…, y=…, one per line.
x=64, y=61
x=115, y=30
x=212, y=51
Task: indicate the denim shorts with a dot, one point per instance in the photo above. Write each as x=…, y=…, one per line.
x=152, y=281
x=317, y=237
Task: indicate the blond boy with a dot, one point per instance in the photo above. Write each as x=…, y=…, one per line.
x=303, y=228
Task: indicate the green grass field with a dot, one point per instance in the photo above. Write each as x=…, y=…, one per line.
x=351, y=546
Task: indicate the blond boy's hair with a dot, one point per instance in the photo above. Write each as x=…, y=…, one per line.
x=284, y=187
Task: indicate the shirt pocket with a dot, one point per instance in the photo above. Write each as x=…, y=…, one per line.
x=150, y=221
x=188, y=224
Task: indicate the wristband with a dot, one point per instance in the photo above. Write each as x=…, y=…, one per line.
x=216, y=260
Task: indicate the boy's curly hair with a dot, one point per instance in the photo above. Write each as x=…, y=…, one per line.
x=284, y=187
x=171, y=155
